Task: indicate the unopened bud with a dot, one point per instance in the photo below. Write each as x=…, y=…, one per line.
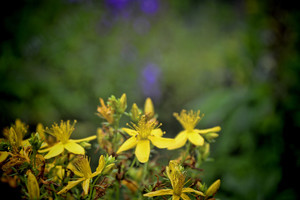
x=131, y=185
x=85, y=144
x=3, y=156
x=206, y=150
x=32, y=186
x=123, y=102
x=135, y=113
x=213, y=188
x=108, y=169
x=149, y=108
x=211, y=136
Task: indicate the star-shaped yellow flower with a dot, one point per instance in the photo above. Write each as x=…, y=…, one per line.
x=81, y=167
x=177, y=178
x=62, y=134
x=189, y=120
x=141, y=135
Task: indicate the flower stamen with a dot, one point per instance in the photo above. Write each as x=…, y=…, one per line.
x=144, y=127
x=188, y=120
x=63, y=131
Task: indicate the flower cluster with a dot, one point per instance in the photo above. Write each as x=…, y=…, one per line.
x=51, y=165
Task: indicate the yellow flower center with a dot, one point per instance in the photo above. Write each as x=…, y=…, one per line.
x=145, y=127
x=188, y=120
x=63, y=131
x=82, y=164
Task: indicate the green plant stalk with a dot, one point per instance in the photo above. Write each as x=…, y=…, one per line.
x=187, y=152
x=145, y=171
x=92, y=187
x=117, y=191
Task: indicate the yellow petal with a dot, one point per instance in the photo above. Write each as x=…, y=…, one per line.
x=184, y=196
x=159, y=193
x=180, y=140
x=55, y=150
x=85, y=186
x=175, y=197
x=161, y=142
x=192, y=190
x=84, y=139
x=130, y=132
x=209, y=130
x=196, y=138
x=128, y=144
x=75, y=170
x=142, y=150
x=70, y=185
x=100, y=167
x=25, y=143
x=74, y=148
x=45, y=150
x=157, y=132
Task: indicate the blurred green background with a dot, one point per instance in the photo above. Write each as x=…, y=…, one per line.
x=237, y=61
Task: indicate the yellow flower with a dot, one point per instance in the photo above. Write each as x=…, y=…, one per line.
x=106, y=112
x=177, y=178
x=189, y=121
x=62, y=134
x=32, y=186
x=81, y=167
x=141, y=135
x=15, y=135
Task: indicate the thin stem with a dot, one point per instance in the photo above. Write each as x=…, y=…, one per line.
x=92, y=187
x=187, y=151
x=117, y=190
x=145, y=171
x=133, y=162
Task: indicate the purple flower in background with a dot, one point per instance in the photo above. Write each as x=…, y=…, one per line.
x=117, y=4
x=119, y=9
x=151, y=74
x=149, y=6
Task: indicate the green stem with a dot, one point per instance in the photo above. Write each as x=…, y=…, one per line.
x=117, y=191
x=145, y=171
x=187, y=151
x=133, y=162
x=92, y=187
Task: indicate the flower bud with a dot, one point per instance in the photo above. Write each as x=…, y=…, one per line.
x=131, y=185
x=85, y=144
x=3, y=156
x=206, y=151
x=135, y=113
x=108, y=169
x=149, y=108
x=213, y=188
x=211, y=136
x=32, y=186
x=123, y=102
